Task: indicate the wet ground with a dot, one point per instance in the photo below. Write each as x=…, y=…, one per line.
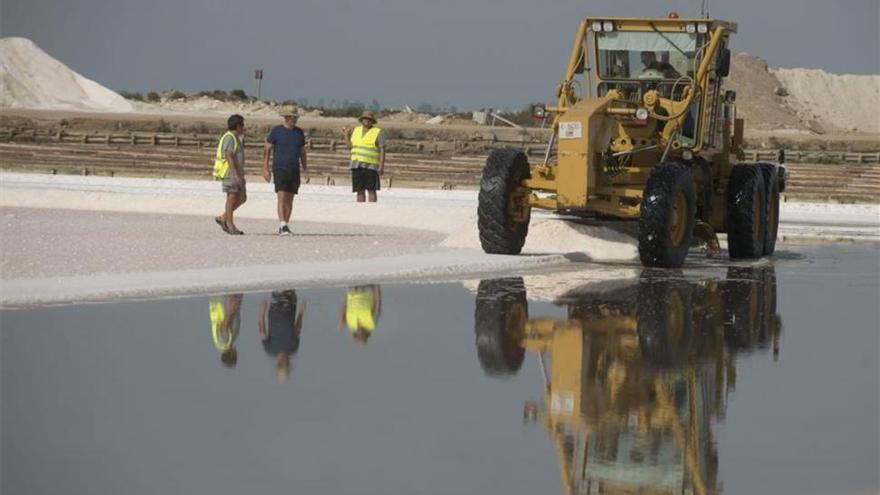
x=739, y=380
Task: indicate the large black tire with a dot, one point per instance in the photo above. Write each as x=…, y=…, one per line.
x=499, y=234
x=668, y=215
x=499, y=323
x=746, y=210
x=771, y=193
x=665, y=321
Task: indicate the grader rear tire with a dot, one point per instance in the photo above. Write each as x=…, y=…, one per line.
x=771, y=192
x=746, y=212
x=667, y=217
x=499, y=233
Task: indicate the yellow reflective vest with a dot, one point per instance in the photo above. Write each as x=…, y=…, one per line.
x=359, y=310
x=363, y=146
x=218, y=317
x=221, y=164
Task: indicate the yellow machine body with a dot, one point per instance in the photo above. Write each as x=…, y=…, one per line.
x=610, y=131
x=635, y=376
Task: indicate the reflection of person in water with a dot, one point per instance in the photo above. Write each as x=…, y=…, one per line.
x=363, y=305
x=225, y=322
x=280, y=329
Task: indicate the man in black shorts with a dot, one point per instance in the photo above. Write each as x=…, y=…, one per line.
x=286, y=143
x=367, y=156
x=280, y=328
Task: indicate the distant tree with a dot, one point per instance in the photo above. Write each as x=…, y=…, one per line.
x=375, y=106
x=176, y=95
x=153, y=97
x=238, y=94
x=128, y=95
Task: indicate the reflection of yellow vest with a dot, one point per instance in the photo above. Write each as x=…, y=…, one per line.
x=218, y=316
x=363, y=146
x=359, y=310
x=221, y=164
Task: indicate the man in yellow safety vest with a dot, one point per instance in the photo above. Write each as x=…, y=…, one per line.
x=361, y=311
x=229, y=168
x=225, y=323
x=367, y=157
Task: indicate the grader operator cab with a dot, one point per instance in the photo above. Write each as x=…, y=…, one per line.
x=642, y=130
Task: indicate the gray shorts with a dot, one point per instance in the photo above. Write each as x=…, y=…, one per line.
x=229, y=185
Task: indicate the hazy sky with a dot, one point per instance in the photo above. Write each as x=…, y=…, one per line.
x=469, y=53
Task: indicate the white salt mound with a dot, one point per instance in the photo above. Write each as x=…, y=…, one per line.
x=844, y=101
x=554, y=235
x=30, y=78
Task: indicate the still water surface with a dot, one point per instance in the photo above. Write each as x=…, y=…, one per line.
x=736, y=381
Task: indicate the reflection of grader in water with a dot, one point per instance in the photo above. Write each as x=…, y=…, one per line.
x=636, y=374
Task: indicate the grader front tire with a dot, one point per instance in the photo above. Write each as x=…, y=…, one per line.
x=500, y=232
x=667, y=217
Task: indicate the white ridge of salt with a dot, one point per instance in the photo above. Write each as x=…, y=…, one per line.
x=845, y=101
x=30, y=78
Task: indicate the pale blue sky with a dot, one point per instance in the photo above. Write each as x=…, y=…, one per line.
x=469, y=53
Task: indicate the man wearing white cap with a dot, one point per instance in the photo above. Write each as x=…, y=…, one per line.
x=286, y=143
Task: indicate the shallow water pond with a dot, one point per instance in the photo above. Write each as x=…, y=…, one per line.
x=743, y=380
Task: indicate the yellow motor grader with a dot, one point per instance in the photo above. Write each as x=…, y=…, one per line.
x=642, y=130
x=635, y=377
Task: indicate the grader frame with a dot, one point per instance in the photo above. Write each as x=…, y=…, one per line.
x=659, y=147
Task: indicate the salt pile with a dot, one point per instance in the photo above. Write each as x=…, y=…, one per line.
x=30, y=78
x=846, y=102
x=553, y=235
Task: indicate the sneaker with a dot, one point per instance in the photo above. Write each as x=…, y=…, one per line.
x=284, y=231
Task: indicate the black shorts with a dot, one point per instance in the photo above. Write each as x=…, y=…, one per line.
x=286, y=180
x=364, y=178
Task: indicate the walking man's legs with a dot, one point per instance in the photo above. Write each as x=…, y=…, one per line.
x=234, y=199
x=285, y=206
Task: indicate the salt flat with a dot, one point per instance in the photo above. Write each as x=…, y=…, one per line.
x=66, y=239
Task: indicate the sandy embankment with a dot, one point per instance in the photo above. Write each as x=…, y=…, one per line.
x=136, y=238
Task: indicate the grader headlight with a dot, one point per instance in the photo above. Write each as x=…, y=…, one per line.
x=641, y=113
x=608, y=26
x=702, y=28
x=596, y=26
x=691, y=28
